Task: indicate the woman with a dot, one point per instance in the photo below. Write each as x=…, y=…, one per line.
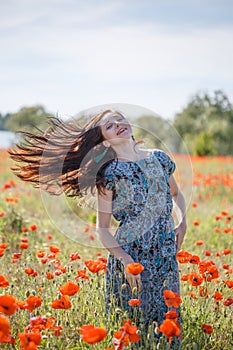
x=134, y=185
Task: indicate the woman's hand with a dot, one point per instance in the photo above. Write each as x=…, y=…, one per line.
x=180, y=231
x=133, y=280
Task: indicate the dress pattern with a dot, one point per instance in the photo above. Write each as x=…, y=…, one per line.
x=142, y=203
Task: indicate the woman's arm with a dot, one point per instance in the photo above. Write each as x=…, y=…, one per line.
x=180, y=210
x=103, y=224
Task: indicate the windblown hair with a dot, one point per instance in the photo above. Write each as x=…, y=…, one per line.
x=62, y=159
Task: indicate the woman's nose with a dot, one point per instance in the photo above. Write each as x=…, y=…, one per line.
x=117, y=124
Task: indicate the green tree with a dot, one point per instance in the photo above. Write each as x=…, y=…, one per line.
x=3, y=120
x=27, y=118
x=204, y=145
x=155, y=132
x=207, y=115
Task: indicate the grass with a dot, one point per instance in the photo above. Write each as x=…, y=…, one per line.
x=207, y=184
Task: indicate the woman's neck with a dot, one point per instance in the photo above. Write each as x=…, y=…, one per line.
x=128, y=151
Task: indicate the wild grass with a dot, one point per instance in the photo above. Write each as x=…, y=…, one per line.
x=207, y=184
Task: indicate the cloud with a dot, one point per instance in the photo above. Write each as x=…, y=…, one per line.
x=71, y=54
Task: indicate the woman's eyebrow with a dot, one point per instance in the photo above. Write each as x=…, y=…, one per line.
x=112, y=119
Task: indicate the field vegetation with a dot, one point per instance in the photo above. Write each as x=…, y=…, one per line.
x=52, y=280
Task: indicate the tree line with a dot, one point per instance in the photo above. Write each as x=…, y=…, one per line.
x=203, y=127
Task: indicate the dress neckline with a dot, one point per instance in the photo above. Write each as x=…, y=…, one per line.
x=136, y=161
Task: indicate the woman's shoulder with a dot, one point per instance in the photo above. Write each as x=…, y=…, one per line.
x=165, y=160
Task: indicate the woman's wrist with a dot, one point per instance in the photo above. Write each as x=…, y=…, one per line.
x=127, y=260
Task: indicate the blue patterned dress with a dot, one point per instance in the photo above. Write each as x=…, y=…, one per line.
x=142, y=203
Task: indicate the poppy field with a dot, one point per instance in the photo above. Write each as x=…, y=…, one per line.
x=52, y=284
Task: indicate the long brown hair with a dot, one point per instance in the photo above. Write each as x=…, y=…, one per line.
x=62, y=159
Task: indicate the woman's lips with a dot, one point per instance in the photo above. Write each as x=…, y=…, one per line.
x=121, y=131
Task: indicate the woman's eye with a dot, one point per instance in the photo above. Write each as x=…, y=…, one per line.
x=108, y=126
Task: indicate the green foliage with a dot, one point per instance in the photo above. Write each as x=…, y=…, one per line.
x=27, y=118
x=88, y=305
x=155, y=132
x=204, y=145
x=207, y=117
x=3, y=120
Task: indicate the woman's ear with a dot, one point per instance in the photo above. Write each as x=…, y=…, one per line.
x=106, y=144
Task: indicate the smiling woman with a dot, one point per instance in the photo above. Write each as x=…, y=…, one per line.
x=134, y=185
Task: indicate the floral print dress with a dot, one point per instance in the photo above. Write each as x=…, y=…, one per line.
x=142, y=203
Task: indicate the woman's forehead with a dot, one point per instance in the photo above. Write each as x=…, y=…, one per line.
x=110, y=117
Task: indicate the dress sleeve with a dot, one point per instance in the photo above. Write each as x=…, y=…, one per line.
x=109, y=182
x=167, y=163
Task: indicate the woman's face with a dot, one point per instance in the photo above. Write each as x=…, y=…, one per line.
x=115, y=128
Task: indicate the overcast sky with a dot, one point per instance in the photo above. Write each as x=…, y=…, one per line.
x=70, y=55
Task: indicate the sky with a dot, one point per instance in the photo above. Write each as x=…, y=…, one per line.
x=73, y=55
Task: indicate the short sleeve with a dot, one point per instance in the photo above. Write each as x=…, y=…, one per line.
x=109, y=182
x=167, y=163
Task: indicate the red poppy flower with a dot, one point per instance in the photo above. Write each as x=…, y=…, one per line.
x=192, y=295
x=29, y=341
x=3, y=282
x=54, y=249
x=134, y=302
x=62, y=303
x=32, y=303
x=194, y=259
x=49, y=275
x=17, y=255
x=40, y=253
x=2, y=213
x=82, y=274
x=171, y=314
x=2, y=251
x=183, y=256
x=44, y=260
x=203, y=291
x=24, y=229
x=33, y=227
x=95, y=265
x=131, y=331
x=227, y=230
x=208, y=253
x=207, y=328
x=172, y=299
x=208, y=270
x=226, y=251
x=184, y=278
x=8, y=304
x=229, y=283
x=74, y=256
x=3, y=245
x=217, y=296
x=226, y=266
x=195, y=279
x=23, y=245
x=5, y=332
x=212, y=273
x=91, y=334
x=199, y=242
x=170, y=328
x=196, y=223
x=31, y=272
x=69, y=288
x=134, y=268
x=228, y=302
x=92, y=236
